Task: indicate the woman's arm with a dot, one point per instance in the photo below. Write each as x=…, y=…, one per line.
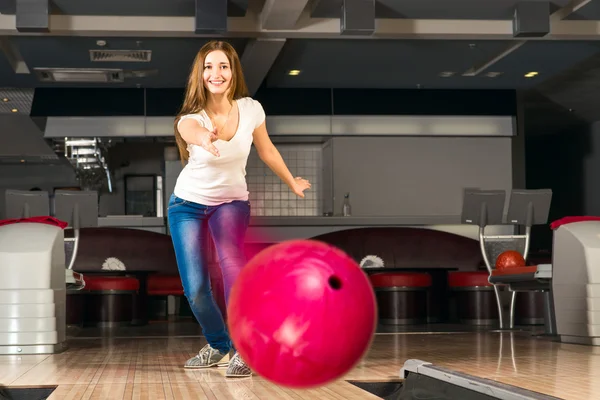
x=194, y=133
x=269, y=154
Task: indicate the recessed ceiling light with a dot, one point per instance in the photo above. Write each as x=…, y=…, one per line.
x=5, y=100
x=14, y=110
x=294, y=72
x=447, y=74
x=531, y=74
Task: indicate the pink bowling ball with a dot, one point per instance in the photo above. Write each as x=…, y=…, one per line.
x=302, y=313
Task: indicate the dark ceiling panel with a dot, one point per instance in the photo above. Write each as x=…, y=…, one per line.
x=409, y=63
x=455, y=9
x=591, y=11
x=577, y=89
x=171, y=57
x=546, y=57
x=337, y=63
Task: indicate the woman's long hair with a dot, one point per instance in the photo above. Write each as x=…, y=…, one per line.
x=195, y=93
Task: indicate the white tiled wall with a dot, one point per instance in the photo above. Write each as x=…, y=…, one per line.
x=269, y=196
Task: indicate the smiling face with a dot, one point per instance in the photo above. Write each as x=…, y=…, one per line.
x=217, y=72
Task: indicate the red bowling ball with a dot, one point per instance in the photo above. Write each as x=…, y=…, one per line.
x=302, y=313
x=510, y=259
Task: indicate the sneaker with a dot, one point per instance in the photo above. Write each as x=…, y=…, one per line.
x=208, y=357
x=237, y=368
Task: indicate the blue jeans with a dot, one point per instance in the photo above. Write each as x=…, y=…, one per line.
x=190, y=224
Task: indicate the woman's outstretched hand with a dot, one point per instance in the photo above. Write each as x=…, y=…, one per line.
x=206, y=140
x=300, y=185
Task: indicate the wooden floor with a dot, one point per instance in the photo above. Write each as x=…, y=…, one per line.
x=150, y=367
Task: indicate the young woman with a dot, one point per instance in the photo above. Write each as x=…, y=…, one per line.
x=215, y=129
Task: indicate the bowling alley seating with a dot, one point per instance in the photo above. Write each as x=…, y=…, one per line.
x=108, y=300
x=529, y=308
x=406, y=250
x=402, y=297
x=476, y=304
x=103, y=301
x=474, y=295
x=148, y=258
x=409, y=248
x=90, y=299
x=96, y=300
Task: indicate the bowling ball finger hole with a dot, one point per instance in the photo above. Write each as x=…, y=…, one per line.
x=335, y=282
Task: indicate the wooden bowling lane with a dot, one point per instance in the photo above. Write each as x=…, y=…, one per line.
x=151, y=367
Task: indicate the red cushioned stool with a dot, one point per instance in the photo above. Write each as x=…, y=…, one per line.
x=110, y=300
x=475, y=298
x=160, y=287
x=401, y=297
x=529, y=308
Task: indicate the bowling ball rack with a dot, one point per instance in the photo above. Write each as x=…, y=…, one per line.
x=526, y=208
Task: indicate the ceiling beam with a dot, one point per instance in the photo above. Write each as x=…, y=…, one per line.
x=33, y=15
x=8, y=6
x=325, y=7
x=210, y=18
x=281, y=14
x=358, y=17
x=257, y=59
x=307, y=28
x=570, y=8
x=477, y=69
x=556, y=22
x=13, y=56
x=237, y=8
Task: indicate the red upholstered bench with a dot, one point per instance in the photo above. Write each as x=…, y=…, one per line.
x=110, y=299
x=160, y=287
x=401, y=296
x=165, y=285
x=475, y=297
x=111, y=284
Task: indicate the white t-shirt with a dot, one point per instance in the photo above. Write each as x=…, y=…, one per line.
x=211, y=180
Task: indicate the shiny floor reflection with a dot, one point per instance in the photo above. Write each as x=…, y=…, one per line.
x=146, y=363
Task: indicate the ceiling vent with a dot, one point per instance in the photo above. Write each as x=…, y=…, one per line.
x=120, y=55
x=79, y=75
